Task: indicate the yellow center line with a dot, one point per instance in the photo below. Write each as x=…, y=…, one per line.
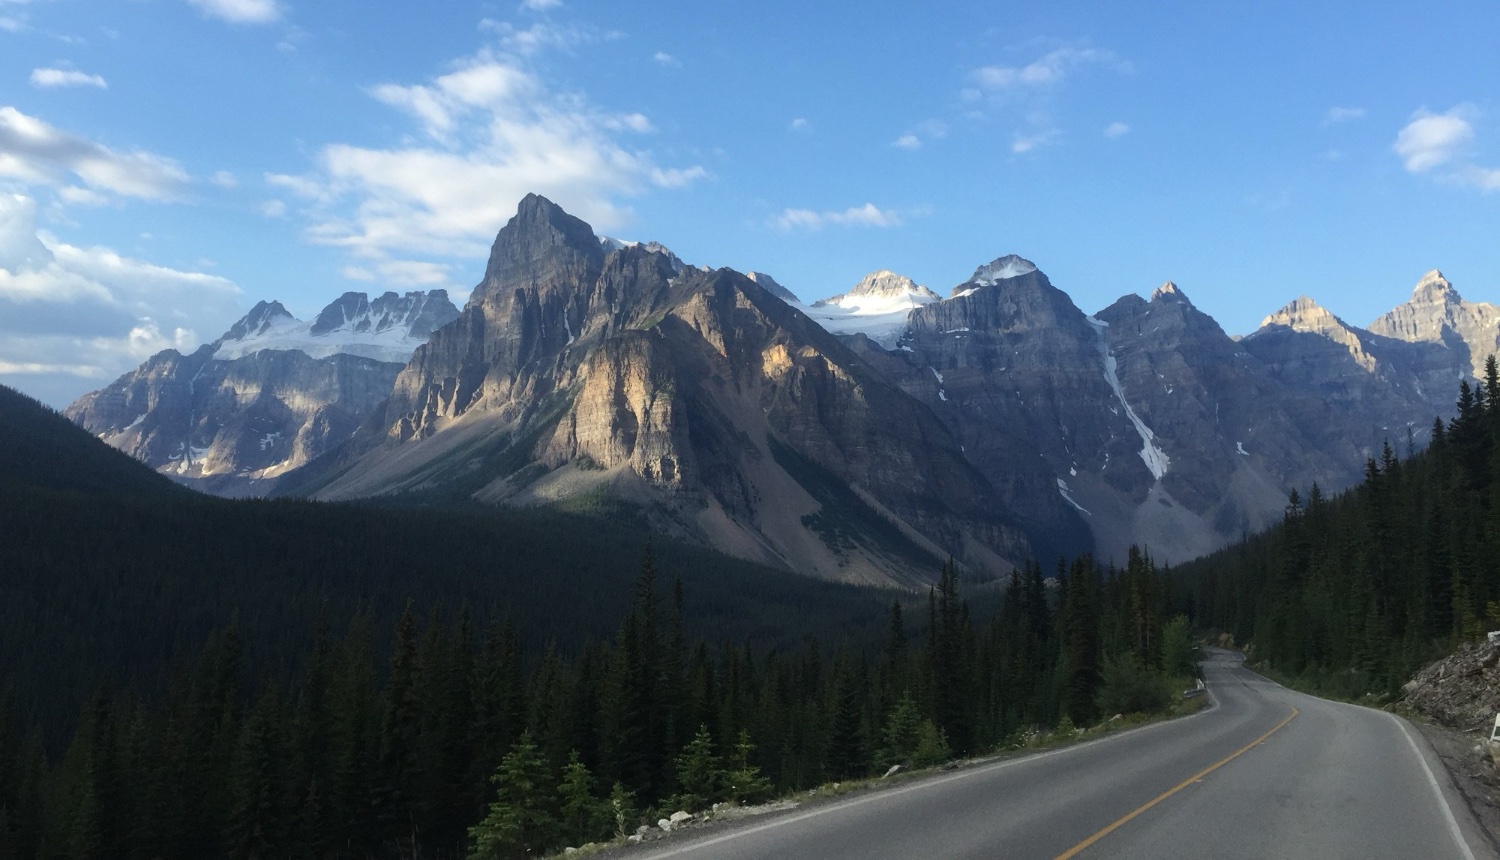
x=1080, y=847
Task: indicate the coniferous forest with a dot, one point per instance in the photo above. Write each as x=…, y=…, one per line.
x=1352, y=594
x=193, y=677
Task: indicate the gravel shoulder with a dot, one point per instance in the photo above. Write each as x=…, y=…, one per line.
x=1477, y=779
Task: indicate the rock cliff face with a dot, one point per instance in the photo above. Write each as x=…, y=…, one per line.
x=1437, y=314
x=1148, y=420
x=578, y=369
x=270, y=395
x=861, y=437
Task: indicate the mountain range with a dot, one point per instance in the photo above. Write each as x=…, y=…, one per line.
x=862, y=437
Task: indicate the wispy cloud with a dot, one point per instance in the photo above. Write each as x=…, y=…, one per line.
x=1023, y=143
x=868, y=215
x=240, y=11
x=35, y=152
x=907, y=142
x=49, y=78
x=1048, y=70
x=663, y=58
x=1343, y=114
x=491, y=131
x=799, y=124
x=541, y=36
x=540, y=5
x=1116, y=130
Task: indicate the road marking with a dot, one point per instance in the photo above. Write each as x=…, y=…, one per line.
x=1458, y=835
x=1080, y=847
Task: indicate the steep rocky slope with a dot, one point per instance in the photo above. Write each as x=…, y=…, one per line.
x=579, y=369
x=270, y=395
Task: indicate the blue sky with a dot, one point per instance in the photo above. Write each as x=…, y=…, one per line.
x=166, y=163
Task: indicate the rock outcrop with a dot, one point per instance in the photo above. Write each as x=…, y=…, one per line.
x=1462, y=690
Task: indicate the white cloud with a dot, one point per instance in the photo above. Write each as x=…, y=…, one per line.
x=1116, y=130
x=48, y=78
x=907, y=141
x=1431, y=140
x=1048, y=70
x=240, y=11
x=927, y=130
x=799, y=124
x=414, y=273
x=81, y=316
x=75, y=196
x=273, y=208
x=1485, y=178
x=357, y=273
x=494, y=133
x=868, y=215
x=1442, y=145
x=540, y=5
x=224, y=179
x=541, y=36
x=1024, y=143
x=665, y=59
x=35, y=152
x=11, y=25
x=1343, y=114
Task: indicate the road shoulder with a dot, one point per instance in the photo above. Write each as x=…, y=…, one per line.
x=1474, y=777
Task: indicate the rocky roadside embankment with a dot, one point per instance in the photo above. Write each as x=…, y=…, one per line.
x=1459, y=697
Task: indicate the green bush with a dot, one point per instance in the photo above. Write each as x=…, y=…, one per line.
x=1127, y=687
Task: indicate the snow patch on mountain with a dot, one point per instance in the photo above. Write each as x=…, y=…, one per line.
x=1156, y=459
x=1005, y=268
x=388, y=329
x=878, y=307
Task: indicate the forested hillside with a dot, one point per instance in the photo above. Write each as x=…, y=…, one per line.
x=184, y=676
x=1355, y=593
x=455, y=741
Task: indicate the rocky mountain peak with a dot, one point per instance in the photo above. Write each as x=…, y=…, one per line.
x=882, y=291
x=999, y=269
x=770, y=285
x=1433, y=288
x=541, y=245
x=1305, y=315
x=261, y=319
x=1169, y=292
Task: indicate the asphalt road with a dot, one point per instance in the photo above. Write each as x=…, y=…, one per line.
x=1264, y=773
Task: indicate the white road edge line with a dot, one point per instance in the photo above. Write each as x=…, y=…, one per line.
x=1458, y=835
x=839, y=806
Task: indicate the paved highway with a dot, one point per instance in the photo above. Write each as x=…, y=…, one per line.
x=1265, y=772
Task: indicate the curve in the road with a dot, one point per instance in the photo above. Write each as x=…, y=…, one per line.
x=1265, y=772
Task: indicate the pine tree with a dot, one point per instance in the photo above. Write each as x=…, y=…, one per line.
x=699, y=772
x=902, y=733
x=746, y=784
x=519, y=821
x=582, y=815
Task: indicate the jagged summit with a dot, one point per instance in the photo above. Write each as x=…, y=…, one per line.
x=261, y=319
x=540, y=243
x=1169, y=292
x=770, y=285
x=1303, y=314
x=880, y=292
x=388, y=329
x=1432, y=288
x=1000, y=269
